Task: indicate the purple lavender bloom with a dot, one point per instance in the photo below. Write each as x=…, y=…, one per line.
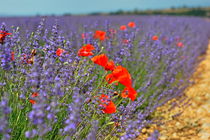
x=5, y=110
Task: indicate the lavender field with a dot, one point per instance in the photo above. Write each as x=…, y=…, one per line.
x=93, y=77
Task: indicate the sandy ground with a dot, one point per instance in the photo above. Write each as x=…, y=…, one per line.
x=194, y=122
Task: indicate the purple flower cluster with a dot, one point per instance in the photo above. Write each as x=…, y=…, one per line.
x=58, y=97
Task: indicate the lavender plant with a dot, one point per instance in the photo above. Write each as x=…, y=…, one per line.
x=49, y=91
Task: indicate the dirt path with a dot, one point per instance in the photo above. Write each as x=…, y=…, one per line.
x=194, y=122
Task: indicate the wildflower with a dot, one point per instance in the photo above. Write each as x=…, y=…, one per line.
x=12, y=56
x=83, y=52
x=131, y=24
x=129, y=92
x=179, y=44
x=125, y=41
x=101, y=60
x=35, y=94
x=123, y=27
x=121, y=75
x=88, y=47
x=32, y=101
x=101, y=35
x=83, y=35
x=107, y=104
x=59, y=51
x=109, y=66
x=110, y=79
x=86, y=50
x=3, y=34
x=155, y=37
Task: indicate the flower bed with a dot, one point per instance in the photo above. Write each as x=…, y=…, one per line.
x=91, y=78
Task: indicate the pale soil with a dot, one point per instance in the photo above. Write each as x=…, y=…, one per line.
x=194, y=122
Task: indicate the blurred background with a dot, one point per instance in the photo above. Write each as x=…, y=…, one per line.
x=97, y=7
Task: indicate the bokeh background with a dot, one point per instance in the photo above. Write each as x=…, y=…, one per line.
x=81, y=7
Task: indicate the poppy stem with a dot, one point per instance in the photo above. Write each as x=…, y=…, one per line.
x=101, y=82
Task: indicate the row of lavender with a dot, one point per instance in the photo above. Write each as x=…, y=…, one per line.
x=49, y=90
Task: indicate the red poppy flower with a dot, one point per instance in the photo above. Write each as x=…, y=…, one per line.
x=59, y=51
x=155, y=37
x=125, y=80
x=110, y=79
x=125, y=41
x=83, y=52
x=179, y=44
x=109, y=66
x=123, y=27
x=3, y=34
x=12, y=56
x=32, y=101
x=121, y=71
x=83, y=35
x=121, y=75
x=101, y=35
x=129, y=92
x=35, y=94
x=132, y=24
x=88, y=47
x=108, y=105
x=86, y=50
x=101, y=60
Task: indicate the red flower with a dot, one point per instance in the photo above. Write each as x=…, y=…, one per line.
x=101, y=60
x=110, y=66
x=129, y=92
x=125, y=80
x=121, y=75
x=83, y=35
x=88, y=47
x=101, y=35
x=179, y=44
x=125, y=41
x=3, y=34
x=107, y=104
x=32, y=101
x=155, y=37
x=12, y=56
x=35, y=94
x=86, y=50
x=84, y=53
x=59, y=51
x=131, y=24
x=123, y=27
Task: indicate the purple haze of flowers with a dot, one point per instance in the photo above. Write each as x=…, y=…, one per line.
x=67, y=84
x=4, y=118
